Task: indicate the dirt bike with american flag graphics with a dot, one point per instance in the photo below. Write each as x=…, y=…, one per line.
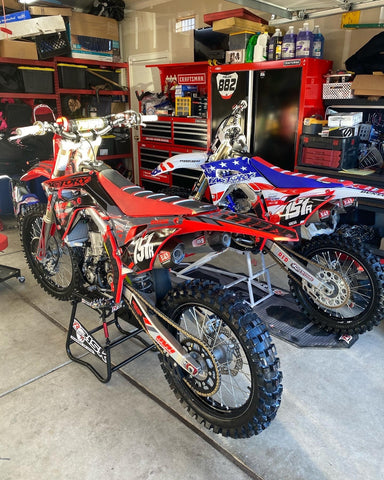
x=313, y=206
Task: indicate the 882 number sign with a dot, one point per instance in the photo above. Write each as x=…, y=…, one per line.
x=226, y=84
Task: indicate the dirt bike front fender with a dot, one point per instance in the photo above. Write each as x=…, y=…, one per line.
x=41, y=169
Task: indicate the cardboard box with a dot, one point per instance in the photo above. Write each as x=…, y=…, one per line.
x=13, y=4
x=41, y=11
x=368, y=85
x=345, y=119
x=243, y=13
x=94, y=26
x=234, y=24
x=18, y=49
x=94, y=38
x=83, y=47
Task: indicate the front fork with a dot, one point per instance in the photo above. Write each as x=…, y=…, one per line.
x=48, y=229
x=293, y=264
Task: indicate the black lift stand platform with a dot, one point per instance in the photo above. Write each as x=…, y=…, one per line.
x=78, y=334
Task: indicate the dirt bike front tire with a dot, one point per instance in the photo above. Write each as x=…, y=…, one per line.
x=58, y=274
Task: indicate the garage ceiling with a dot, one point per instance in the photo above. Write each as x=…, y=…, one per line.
x=296, y=9
x=279, y=9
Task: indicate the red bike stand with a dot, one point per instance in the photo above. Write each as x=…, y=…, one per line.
x=78, y=334
x=5, y=271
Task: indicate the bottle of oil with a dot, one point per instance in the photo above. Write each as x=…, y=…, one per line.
x=274, y=48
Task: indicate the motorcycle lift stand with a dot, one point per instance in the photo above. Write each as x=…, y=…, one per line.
x=78, y=334
x=250, y=278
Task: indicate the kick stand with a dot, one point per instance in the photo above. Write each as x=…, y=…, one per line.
x=78, y=334
x=250, y=277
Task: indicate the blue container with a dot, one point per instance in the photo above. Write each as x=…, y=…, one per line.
x=318, y=43
x=304, y=43
x=288, y=47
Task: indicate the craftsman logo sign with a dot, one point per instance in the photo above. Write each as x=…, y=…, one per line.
x=226, y=84
x=192, y=79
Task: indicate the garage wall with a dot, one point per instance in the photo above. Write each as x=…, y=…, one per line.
x=151, y=29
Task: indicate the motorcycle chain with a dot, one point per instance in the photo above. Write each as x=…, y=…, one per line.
x=173, y=324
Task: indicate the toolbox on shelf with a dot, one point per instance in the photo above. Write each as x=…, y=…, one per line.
x=329, y=152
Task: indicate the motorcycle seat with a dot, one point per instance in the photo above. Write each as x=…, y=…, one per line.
x=135, y=201
x=286, y=179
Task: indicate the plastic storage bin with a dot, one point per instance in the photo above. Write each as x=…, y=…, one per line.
x=37, y=79
x=107, y=146
x=72, y=76
x=92, y=76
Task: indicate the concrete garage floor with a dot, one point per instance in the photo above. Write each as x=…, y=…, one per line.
x=57, y=421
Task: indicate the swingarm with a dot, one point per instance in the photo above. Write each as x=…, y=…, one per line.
x=292, y=264
x=159, y=334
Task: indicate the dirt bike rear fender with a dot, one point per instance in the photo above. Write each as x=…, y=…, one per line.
x=157, y=246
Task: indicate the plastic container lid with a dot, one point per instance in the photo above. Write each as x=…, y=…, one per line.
x=71, y=65
x=37, y=68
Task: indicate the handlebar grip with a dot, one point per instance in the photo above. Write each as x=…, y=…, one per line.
x=149, y=118
x=35, y=129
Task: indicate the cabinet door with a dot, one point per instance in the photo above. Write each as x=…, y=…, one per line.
x=276, y=103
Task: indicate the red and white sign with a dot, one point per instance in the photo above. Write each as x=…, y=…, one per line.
x=226, y=84
x=192, y=79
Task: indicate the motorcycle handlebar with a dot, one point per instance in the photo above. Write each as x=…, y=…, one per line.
x=85, y=126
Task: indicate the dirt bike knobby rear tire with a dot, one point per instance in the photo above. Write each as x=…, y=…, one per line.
x=58, y=275
x=250, y=383
x=364, y=278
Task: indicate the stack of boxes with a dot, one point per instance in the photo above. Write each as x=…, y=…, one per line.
x=240, y=25
x=88, y=36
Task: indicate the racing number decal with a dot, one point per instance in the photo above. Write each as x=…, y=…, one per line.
x=226, y=84
x=298, y=208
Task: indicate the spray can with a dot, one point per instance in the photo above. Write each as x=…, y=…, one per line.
x=288, y=47
x=318, y=43
x=304, y=42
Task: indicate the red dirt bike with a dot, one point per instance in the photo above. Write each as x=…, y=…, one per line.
x=101, y=234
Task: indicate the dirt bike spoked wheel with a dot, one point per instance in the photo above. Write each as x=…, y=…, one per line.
x=353, y=300
x=240, y=389
x=58, y=273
